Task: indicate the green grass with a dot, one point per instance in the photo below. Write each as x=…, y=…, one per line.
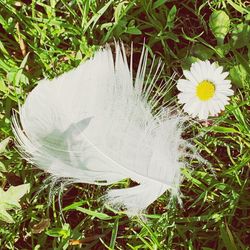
x=41, y=39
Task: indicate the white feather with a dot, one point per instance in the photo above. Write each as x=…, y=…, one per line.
x=95, y=126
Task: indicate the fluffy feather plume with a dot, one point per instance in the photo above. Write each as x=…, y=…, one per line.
x=97, y=125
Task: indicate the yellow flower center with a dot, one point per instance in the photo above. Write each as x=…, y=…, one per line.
x=205, y=90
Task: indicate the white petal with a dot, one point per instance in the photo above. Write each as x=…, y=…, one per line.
x=226, y=92
x=197, y=107
x=221, y=96
x=184, y=97
x=221, y=100
x=211, y=73
x=218, y=103
x=225, y=74
x=227, y=82
x=214, y=108
x=211, y=108
x=223, y=87
x=205, y=68
x=185, y=86
x=196, y=71
x=203, y=114
x=191, y=113
x=218, y=106
x=189, y=76
x=191, y=107
x=214, y=66
x=219, y=70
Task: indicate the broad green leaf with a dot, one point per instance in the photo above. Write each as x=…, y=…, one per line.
x=240, y=35
x=15, y=193
x=3, y=144
x=20, y=76
x=223, y=49
x=158, y=3
x=118, y=12
x=10, y=200
x=242, y=60
x=238, y=75
x=187, y=62
x=171, y=17
x=98, y=215
x=202, y=52
x=247, y=17
x=63, y=232
x=74, y=205
x=2, y=167
x=133, y=30
x=3, y=87
x=5, y=216
x=219, y=23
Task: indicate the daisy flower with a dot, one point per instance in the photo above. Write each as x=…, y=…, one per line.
x=205, y=91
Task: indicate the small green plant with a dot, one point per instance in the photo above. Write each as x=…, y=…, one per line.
x=10, y=200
